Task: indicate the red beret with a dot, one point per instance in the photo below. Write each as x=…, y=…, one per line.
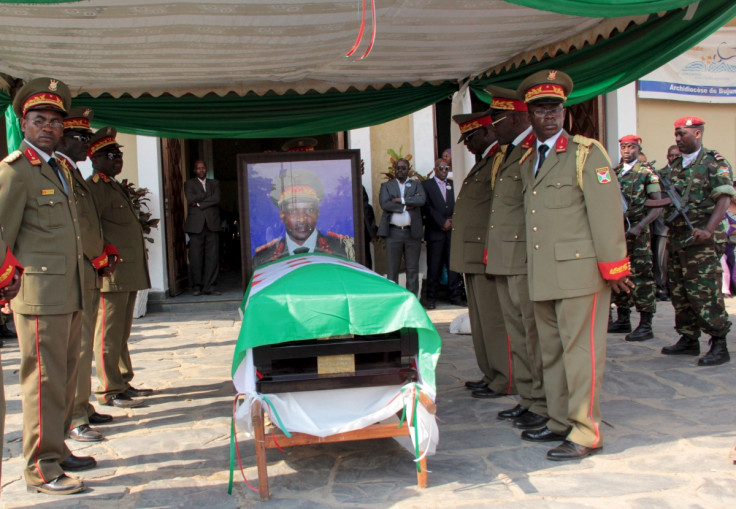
x=631, y=138
x=689, y=122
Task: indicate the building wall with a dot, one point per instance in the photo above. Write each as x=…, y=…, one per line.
x=656, y=118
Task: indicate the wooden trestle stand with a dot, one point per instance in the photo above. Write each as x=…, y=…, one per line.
x=267, y=438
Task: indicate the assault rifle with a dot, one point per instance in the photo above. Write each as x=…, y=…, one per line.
x=674, y=199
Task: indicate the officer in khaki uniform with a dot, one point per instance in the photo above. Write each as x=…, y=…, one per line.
x=469, y=227
x=121, y=228
x=576, y=253
x=506, y=259
x=99, y=260
x=41, y=229
x=10, y=272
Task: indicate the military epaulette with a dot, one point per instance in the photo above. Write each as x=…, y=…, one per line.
x=267, y=245
x=12, y=157
x=584, y=145
x=336, y=235
x=526, y=155
x=716, y=155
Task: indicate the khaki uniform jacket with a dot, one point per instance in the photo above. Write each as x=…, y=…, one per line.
x=93, y=242
x=121, y=228
x=575, y=232
x=506, y=240
x=41, y=229
x=470, y=219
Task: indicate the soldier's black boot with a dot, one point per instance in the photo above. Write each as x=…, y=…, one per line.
x=623, y=323
x=686, y=345
x=644, y=330
x=718, y=353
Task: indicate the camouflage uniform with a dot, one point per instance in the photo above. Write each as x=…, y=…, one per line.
x=694, y=273
x=636, y=186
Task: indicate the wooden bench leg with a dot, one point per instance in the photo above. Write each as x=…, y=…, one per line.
x=256, y=412
x=422, y=476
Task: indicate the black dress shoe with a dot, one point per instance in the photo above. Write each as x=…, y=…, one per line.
x=78, y=463
x=62, y=485
x=686, y=345
x=541, y=435
x=480, y=384
x=459, y=302
x=570, y=451
x=96, y=418
x=212, y=292
x=122, y=400
x=485, y=393
x=512, y=413
x=429, y=304
x=530, y=420
x=132, y=392
x=84, y=433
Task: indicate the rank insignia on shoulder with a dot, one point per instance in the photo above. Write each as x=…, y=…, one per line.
x=603, y=174
x=46, y=192
x=267, y=245
x=13, y=156
x=654, y=178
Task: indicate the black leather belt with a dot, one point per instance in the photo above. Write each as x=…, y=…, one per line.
x=400, y=227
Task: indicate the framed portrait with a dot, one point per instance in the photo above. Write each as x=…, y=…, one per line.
x=299, y=202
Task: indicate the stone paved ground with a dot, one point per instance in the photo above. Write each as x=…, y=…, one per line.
x=669, y=427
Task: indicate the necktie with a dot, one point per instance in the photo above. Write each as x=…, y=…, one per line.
x=301, y=250
x=55, y=166
x=542, y=156
x=443, y=188
x=509, y=148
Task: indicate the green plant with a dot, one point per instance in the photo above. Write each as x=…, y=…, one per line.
x=393, y=157
x=139, y=198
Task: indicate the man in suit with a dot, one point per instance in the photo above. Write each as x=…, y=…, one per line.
x=506, y=259
x=203, y=226
x=121, y=228
x=100, y=260
x=401, y=199
x=41, y=229
x=576, y=254
x=469, y=230
x=297, y=194
x=437, y=212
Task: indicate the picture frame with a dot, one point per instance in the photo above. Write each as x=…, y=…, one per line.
x=339, y=221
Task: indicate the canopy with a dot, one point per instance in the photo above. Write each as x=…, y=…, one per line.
x=278, y=68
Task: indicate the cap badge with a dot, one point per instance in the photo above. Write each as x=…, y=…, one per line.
x=53, y=85
x=689, y=122
x=87, y=112
x=109, y=130
x=552, y=76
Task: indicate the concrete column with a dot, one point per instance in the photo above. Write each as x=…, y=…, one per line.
x=150, y=176
x=423, y=140
x=361, y=139
x=462, y=159
x=620, y=118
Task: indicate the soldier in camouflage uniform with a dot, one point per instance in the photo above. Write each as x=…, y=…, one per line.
x=638, y=183
x=703, y=179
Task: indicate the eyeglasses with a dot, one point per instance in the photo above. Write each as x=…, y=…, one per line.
x=84, y=138
x=41, y=124
x=110, y=155
x=497, y=121
x=542, y=112
x=447, y=168
x=471, y=135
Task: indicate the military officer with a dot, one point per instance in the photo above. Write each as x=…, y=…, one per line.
x=41, y=229
x=703, y=179
x=99, y=260
x=638, y=183
x=469, y=230
x=121, y=228
x=10, y=272
x=576, y=253
x=506, y=259
x=297, y=194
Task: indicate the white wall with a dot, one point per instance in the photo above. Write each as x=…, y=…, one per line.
x=620, y=118
x=361, y=139
x=422, y=140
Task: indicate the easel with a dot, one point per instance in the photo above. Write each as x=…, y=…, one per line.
x=267, y=439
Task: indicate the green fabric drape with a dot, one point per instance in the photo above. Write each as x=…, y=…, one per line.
x=12, y=128
x=603, y=8
x=625, y=57
x=268, y=116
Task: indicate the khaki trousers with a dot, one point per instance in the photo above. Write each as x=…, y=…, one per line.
x=572, y=337
x=112, y=358
x=82, y=407
x=49, y=349
x=526, y=355
x=490, y=341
